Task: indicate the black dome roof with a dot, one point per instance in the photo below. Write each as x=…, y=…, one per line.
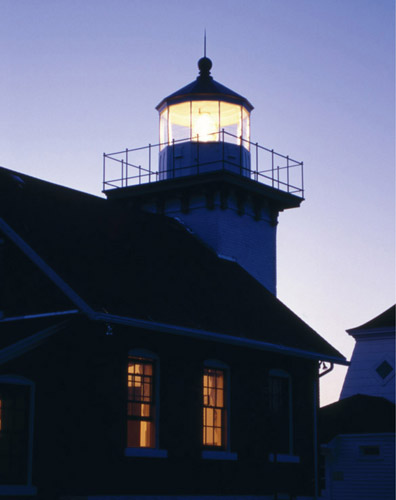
x=204, y=88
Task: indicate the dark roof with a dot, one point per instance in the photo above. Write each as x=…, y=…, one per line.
x=383, y=320
x=358, y=414
x=16, y=331
x=204, y=87
x=126, y=262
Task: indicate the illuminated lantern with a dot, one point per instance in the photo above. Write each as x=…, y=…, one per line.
x=204, y=127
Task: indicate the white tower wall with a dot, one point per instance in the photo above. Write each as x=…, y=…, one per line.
x=235, y=232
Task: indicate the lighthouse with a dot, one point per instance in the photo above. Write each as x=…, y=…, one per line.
x=206, y=173
x=216, y=122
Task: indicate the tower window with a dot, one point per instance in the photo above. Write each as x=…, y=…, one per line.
x=384, y=369
x=141, y=409
x=214, y=409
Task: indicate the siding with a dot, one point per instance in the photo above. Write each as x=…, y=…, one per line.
x=351, y=476
x=362, y=377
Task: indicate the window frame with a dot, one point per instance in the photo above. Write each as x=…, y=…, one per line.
x=223, y=452
x=28, y=488
x=141, y=451
x=384, y=381
x=279, y=373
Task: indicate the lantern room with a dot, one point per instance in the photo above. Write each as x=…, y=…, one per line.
x=204, y=126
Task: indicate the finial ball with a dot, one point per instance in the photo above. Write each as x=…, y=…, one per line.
x=204, y=65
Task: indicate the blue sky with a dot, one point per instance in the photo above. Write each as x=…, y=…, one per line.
x=82, y=77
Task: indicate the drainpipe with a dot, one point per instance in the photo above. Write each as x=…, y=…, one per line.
x=315, y=397
x=315, y=403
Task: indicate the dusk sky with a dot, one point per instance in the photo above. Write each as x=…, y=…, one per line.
x=83, y=77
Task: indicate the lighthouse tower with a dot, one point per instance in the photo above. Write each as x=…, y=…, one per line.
x=224, y=188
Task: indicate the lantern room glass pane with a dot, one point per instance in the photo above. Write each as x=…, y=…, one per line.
x=179, y=122
x=205, y=121
x=231, y=122
x=164, y=128
x=245, y=128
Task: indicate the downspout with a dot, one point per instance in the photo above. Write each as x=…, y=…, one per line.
x=315, y=436
x=316, y=449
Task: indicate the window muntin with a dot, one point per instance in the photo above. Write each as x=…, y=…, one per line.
x=141, y=403
x=214, y=408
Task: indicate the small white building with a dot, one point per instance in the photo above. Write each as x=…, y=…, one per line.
x=372, y=369
x=357, y=433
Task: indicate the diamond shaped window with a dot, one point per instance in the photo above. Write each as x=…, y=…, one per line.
x=384, y=369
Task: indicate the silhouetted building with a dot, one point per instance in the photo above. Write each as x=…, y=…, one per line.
x=140, y=354
x=357, y=433
x=372, y=369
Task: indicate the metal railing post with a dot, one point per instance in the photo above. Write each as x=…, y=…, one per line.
x=302, y=178
x=104, y=171
x=223, y=164
x=197, y=154
x=240, y=155
x=287, y=173
x=126, y=167
x=272, y=168
x=122, y=173
x=173, y=158
x=149, y=163
x=256, y=161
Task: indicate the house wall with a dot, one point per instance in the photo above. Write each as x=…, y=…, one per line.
x=80, y=417
x=351, y=475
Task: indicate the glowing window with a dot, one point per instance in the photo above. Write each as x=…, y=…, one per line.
x=205, y=120
x=214, y=412
x=141, y=410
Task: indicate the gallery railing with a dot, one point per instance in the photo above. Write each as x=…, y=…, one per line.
x=136, y=166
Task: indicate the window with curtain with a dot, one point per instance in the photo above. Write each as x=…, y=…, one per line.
x=141, y=403
x=214, y=408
